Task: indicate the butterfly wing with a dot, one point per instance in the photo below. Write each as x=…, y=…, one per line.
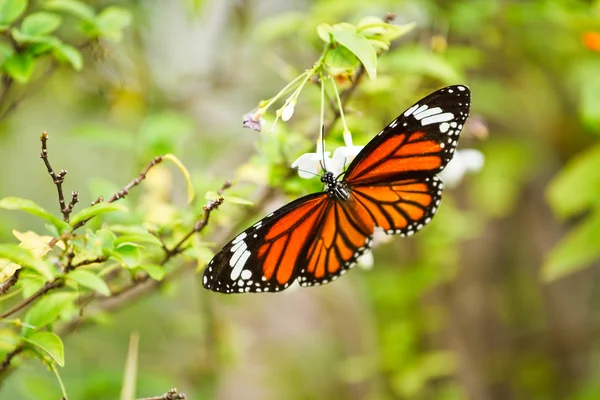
x=268, y=256
x=342, y=237
x=419, y=143
x=393, y=177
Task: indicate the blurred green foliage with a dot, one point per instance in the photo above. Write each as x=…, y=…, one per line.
x=497, y=298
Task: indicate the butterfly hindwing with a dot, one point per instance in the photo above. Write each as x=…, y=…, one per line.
x=401, y=207
x=343, y=236
x=420, y=140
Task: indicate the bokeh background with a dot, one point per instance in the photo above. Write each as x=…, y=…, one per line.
x=484, y=303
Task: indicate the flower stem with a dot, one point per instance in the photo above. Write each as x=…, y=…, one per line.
x=347, y=133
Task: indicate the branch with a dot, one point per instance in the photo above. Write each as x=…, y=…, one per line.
x=48, y=286
x=58, y=180
x=170, y=395
x=7, y=360
x=121, y=193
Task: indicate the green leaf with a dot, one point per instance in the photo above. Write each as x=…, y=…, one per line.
x=65, y=52
x=11, y=10
x=95, y=210
x=73, y=7
x=28, y=206
x=156, y=272
x=575, y=251
x=341, y=58
x=6, y=51
x=324, y=32
x=24, y=258
x=50, y=343
x=577, y=185
x=360, y=47
x=111, y=21
x=47, y=310
x=138, y=239
x=89, y=280
x=20, y=67
x=40, y=23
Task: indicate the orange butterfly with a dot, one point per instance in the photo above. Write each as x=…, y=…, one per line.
x=391, y=184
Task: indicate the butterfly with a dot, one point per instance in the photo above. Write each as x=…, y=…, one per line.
x=391, y=184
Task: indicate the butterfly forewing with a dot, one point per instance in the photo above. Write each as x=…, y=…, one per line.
x=421, y=140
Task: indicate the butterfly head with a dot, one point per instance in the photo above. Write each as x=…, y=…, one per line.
x=334, y=187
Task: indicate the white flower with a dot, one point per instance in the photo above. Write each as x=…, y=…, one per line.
x=365, y=261
x=342, y=157
x=467, y=160
x=287, y=110
x=309, y=164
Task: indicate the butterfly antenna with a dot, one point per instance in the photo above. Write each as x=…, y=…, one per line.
x=306, y=171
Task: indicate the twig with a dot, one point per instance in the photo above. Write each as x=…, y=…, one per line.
x=170, y=395
x=48, y=286
x=200, y=224
x=58, y=180
x=124, y=191
x=7, y=360
x=10, y=282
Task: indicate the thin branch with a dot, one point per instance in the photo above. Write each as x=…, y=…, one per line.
x=48, y=286
x=58, y=179
x=7, y=360
x=123, y=192
x=170, y=395
x=200, y=224
x=10, y=282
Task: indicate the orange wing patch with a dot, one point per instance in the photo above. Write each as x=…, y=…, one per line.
x=345, y=233
x=402, y=207
x=400, y=154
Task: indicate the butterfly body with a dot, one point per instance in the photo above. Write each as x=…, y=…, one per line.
x=391, y=184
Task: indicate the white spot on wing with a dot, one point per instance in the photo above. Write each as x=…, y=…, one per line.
x=237, y=262
x=239, y=237
x=427, y=113
x=410, y=110
x=246, y=274
x=444, y=126
x=436, y=119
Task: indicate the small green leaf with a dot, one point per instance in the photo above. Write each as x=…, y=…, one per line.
x=111, y=21
x=138, y=239
x=28, y=206
x=40, y=23
x=73, y=7
x=324, y=31
x=577, y=250
x=6, y=51
x=47, y=310
x=50, y=343
x=577, y=185
x=89, y=280
x=11, y=10
x=156, y=272
x=20, y=66
x=360, y=47
x=95, y=210
x=70, y=54
x=24, y=258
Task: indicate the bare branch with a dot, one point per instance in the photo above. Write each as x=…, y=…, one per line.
x=58, y=180
x=170, y=395
x=48, y=286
